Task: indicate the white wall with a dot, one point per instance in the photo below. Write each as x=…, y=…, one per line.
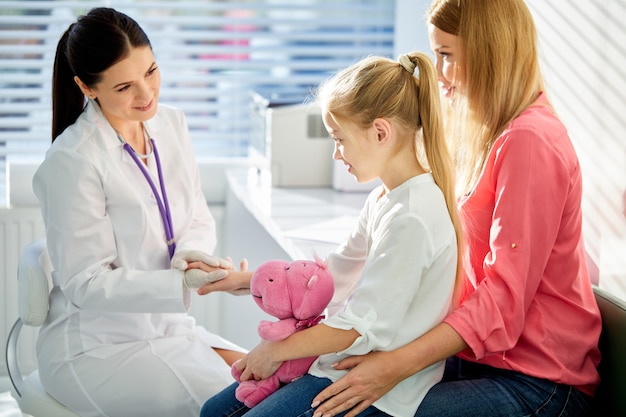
x=410, y=29
x=584, y=62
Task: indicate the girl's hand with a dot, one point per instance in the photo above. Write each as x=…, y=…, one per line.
x=236, y=283
x=259, y=363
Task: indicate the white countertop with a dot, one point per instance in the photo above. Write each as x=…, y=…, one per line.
x=303, y=221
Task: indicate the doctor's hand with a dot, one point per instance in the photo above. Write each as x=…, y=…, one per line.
x=194, y=278
x=237, y=282
x=181, y=260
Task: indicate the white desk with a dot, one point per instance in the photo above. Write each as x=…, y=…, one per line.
x=294, y=223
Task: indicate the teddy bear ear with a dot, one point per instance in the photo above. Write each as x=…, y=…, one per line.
x=311, y=281
x=321, y=262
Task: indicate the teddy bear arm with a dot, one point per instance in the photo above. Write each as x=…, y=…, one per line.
x=294, y=368
x=252, y=392
x=235, y=372
x=277, y=330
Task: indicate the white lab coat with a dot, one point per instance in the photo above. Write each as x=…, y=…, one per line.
x=118, y=318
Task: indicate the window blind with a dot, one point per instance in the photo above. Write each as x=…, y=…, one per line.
x=212, y=54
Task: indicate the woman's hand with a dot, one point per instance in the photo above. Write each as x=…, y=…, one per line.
x=258, y=363
x=373, y=375
x=236, y=283
x=370, y=377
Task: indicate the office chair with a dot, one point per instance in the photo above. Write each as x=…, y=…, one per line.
x=34, y=284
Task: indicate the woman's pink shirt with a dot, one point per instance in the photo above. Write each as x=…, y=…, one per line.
x=532, y=309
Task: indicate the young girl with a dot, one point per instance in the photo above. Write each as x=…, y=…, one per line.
x=396, y=272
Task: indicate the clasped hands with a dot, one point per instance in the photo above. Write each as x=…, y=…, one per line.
x=200, y=270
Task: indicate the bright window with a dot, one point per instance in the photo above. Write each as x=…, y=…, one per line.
x=212, y=54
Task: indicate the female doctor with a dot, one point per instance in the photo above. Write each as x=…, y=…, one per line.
x=120, y=195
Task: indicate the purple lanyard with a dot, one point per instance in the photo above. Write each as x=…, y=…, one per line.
x=164, y=206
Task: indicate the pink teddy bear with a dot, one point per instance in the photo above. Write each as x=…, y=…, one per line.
x=296, y=293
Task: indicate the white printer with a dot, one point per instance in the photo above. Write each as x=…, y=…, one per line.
x=290, y=140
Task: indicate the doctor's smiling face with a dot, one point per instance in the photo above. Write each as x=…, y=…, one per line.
x=129, y=89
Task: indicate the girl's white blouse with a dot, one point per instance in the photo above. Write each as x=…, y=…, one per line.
x=394, y=279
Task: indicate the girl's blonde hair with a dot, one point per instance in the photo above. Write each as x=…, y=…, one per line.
x=499, y=59
x=378, y=87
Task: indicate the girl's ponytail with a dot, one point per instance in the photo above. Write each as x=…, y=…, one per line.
x=436, y=149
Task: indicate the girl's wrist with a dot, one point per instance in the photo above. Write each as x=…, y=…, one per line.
x=279, y=352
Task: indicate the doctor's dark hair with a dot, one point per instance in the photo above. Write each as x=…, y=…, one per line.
x=92, y=44
x=407, y=92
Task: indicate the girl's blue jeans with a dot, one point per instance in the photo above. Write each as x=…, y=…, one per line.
x=469, y=389
x=291, y=400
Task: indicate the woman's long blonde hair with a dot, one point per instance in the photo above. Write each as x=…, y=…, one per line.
x=499, y=60
x=378, y=87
